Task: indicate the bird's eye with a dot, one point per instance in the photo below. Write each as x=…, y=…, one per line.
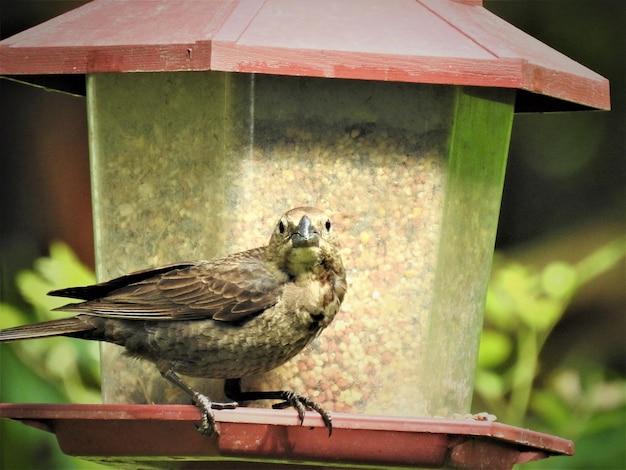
x=327, y=225
x=281, y=227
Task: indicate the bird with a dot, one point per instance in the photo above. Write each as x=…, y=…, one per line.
x=227, y=318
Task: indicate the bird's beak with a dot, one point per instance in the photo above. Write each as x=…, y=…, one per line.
x=306, y=234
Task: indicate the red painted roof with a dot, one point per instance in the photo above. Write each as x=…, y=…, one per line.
x=422, y=41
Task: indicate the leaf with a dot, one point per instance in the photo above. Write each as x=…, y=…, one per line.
x=10, y=316
x=559, y=280
x=551, y=408
x=488, y=384
x=61, y=269
x=601, y=260
x=541, y=314
x=495, y=349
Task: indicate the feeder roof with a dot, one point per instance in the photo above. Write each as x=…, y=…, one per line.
x=422, y=41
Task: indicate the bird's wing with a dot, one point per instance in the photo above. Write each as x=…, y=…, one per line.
x=229, y=289
x=103, y=289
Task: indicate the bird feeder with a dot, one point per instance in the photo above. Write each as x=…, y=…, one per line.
x=209, y=119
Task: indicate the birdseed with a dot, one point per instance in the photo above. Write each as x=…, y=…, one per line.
x=382, y=184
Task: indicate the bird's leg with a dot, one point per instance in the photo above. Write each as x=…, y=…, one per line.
x=204, y=404
x=232, y=389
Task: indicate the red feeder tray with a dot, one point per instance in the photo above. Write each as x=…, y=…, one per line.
x=165, y=435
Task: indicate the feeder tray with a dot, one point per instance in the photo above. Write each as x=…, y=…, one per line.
x=166, y=436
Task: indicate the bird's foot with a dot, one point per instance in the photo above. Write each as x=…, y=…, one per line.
x=207, y=424
x=205, y=405
x=301, y=404
x=232, y=389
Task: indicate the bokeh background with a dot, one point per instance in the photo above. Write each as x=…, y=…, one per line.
x=564, y=199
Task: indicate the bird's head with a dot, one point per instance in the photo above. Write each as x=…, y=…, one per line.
x=302, y=240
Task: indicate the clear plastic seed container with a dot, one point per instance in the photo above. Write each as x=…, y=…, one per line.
x=196, y=165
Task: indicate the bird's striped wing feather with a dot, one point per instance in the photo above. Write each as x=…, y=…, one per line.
x=229, y=289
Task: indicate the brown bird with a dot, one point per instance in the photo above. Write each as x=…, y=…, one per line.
x=228, y=318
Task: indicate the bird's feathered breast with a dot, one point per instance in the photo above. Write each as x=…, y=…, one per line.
x=230, y=289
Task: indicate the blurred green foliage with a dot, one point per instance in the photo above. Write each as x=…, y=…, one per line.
x=586, y=402
x=54, y=370
x=71, y=366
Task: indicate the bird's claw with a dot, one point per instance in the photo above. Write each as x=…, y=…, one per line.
x=301, y=404
x=207, y=424
x=231, y=405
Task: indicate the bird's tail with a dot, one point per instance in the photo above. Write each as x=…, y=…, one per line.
x=63, y=327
